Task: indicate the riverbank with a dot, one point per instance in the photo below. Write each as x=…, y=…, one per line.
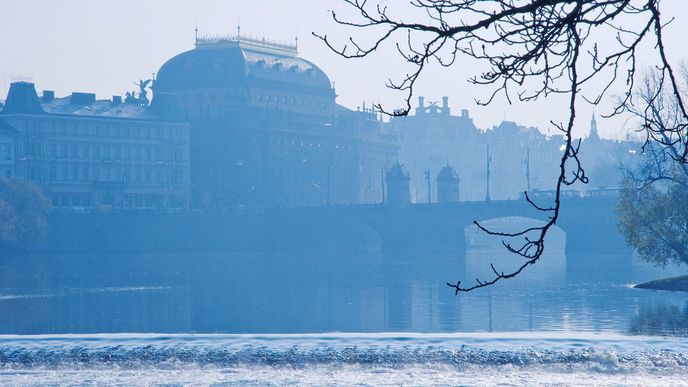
x=676, y=284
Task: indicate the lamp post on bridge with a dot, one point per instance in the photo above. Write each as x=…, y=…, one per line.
x=489, y=161
x=427, y=178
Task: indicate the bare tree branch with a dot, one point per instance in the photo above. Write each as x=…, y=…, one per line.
x=531, y=49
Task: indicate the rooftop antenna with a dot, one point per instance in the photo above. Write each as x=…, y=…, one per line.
x=196, y=31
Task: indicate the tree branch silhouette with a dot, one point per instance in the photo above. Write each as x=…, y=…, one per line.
x=531, y=49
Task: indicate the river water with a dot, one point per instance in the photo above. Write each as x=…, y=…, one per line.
x=329, y=318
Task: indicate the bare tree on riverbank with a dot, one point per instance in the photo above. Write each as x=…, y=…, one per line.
x=651, y=212
x=531, y=50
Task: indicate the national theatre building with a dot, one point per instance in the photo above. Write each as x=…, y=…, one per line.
x=234, y=122
x=266, y=129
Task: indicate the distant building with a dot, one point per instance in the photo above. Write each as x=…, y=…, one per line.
x=520, y=158
x=93, y=153
x=397, y=180
x=8, y=137
x=431, y=138
x=266, y=129
x=448, y=186
x=605, y=160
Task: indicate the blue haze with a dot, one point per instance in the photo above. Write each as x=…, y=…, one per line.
x=227, y=216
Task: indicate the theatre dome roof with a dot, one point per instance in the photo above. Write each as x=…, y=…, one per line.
x=229, y=62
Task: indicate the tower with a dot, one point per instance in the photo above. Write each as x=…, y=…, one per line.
x=594, y=135
x=22, y=98
x=398, y=192
x=448, y=185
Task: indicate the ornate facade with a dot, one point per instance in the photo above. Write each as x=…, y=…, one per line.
x=88, y=153
x=266, y=129
x=7, y=152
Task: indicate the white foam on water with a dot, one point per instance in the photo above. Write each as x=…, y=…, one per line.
x=335, y=376
x=335, y=359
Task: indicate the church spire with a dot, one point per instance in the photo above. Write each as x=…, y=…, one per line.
x=593, y=128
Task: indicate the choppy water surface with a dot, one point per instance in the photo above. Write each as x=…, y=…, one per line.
x=343, y=359
x=264, y=318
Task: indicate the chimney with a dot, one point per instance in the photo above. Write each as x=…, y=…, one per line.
x=464, y=113
x=83, y=98
x=116, y=99
x=445, y=105
x=48, y=95
x=421, y=105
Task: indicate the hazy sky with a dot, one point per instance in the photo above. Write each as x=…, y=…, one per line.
x=104, y=46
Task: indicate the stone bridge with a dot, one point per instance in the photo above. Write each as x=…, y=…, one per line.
x=589, y=224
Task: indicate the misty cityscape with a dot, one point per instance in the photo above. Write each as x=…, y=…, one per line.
x=236, y=219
